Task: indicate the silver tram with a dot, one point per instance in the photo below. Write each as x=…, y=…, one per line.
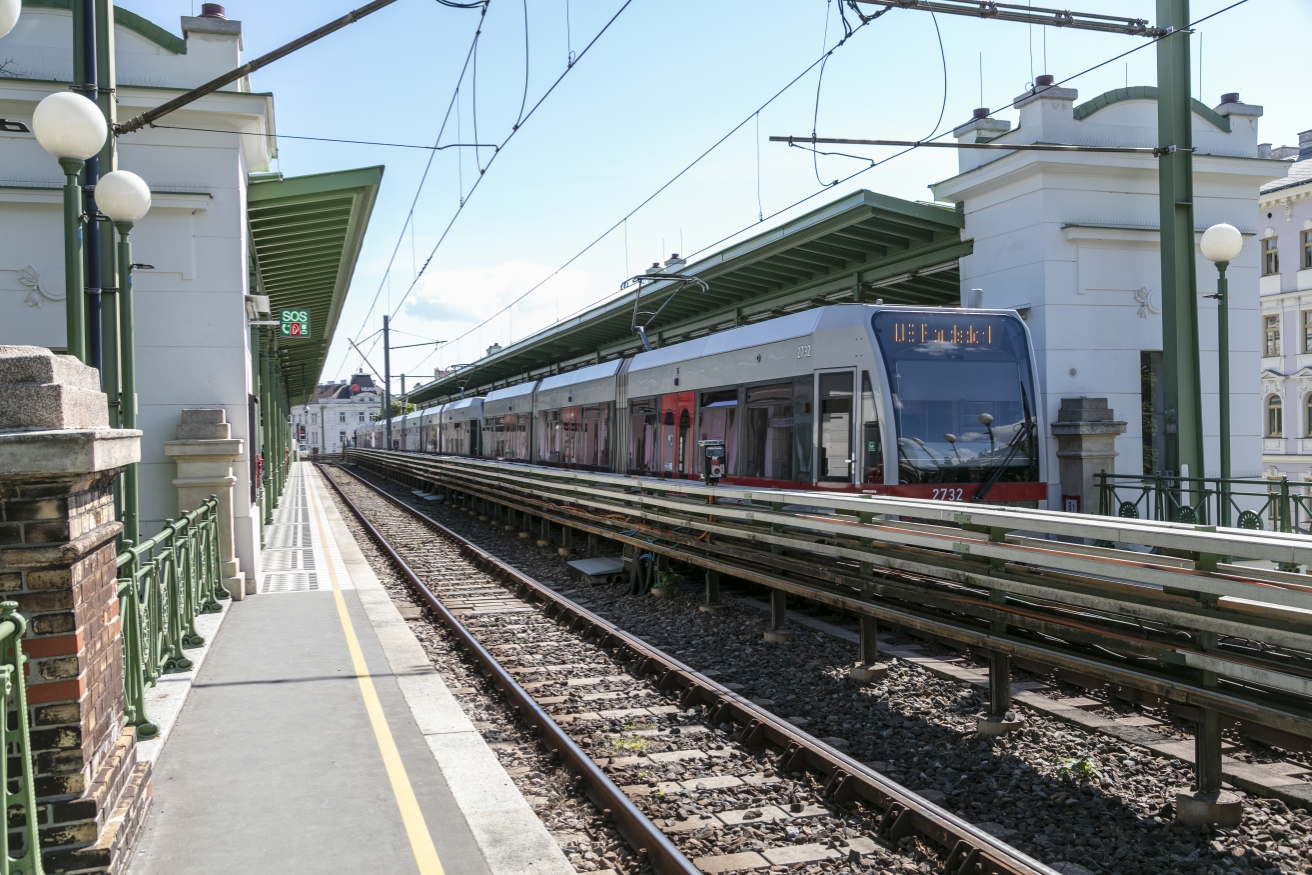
x=919, y=402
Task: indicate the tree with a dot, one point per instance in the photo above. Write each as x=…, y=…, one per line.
x=398, y=409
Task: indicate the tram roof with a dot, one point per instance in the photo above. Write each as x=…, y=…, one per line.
x=861, y=247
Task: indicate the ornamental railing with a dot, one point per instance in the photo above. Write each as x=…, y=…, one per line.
x=164, y=583
x=1259, y=505
x=17, y=791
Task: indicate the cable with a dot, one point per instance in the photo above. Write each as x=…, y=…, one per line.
x=865, y=20
x=523, y=101
x=500, y=149
x=819, y=82
x=433, y=148
x=473, y=103
x=943, y=57
x=423, y=179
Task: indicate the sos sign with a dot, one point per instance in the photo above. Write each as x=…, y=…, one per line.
x=295, y=323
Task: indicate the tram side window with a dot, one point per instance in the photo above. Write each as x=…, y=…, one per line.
x=768, y=448
x=593, y=439
x=872, y=448
x=517, y=437
x=549, y=436
x=718, y=417
x=644, y=437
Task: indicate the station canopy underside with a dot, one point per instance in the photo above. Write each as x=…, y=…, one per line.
x=306, y=233
x=863, y=247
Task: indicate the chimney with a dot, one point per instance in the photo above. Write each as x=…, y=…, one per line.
x=674, y=262
x=212, y=10
x=494, y=349
x=1304, y=145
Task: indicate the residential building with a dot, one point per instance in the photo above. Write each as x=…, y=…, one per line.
x=328, y=423
x=1284, y=217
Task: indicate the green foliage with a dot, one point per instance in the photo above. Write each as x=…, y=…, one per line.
x=1078, y=769
x=628, y=743
x=398, y=409
x=667, y=581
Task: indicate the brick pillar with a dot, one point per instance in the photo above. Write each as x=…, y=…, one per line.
x=204, y=453
x=1086, y=433
x=58, y=462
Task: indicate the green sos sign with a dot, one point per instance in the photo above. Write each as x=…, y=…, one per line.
x=295, y=323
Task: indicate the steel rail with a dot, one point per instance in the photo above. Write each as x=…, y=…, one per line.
x=641, y=834
x=967, y=848
x=1258, y=706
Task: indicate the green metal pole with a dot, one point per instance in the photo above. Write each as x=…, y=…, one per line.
x=1182, y=372
x=128, y=407
x=108, y=161
x=1223, y=364
x=74, y=298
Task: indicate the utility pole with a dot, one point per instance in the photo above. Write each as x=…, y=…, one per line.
x=1181, y=370
x=85, y=71
x=387, y=383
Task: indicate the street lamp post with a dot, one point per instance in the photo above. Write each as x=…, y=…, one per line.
x=1221, y=245
x=125, y=198
x=71, y=128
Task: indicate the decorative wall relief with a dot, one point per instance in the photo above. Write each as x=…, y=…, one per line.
x=31, y=279
x=1149, y=301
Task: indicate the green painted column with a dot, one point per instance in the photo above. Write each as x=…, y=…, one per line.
x=128, y=408
x=1182, y=372
x=75, y=308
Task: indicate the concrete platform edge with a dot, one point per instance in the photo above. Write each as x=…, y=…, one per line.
x=511, y=837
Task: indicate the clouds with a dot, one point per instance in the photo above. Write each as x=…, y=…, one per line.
x=454, y=301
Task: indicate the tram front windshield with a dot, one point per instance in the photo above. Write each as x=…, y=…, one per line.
x=963, y=396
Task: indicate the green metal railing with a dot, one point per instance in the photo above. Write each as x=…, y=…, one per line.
x=17, y=790
x=164, y=584
x=1271, y=505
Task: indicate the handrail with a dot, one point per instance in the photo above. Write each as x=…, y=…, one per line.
x=164, y=583
x=1251, y=504
x=1175, y=624
x=17, y=792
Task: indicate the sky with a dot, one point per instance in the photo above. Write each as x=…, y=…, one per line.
x=662, y=84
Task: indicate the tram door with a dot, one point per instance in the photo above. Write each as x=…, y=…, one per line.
x=834, y=394
x=678, y=414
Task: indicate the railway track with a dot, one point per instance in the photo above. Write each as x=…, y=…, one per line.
x=693, y=776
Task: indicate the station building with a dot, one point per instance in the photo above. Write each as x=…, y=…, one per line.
x=1071, y=240
x=1284, y=218
x=229, y=244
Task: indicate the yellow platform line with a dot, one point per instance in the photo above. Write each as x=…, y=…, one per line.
x=416, y=828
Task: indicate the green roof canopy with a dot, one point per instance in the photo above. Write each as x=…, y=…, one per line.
x=306, y=234
x=862, y=247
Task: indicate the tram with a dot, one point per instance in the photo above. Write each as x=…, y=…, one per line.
x=936, y=403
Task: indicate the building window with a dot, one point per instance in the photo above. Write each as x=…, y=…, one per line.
x=341, y=438
x=1275, y=425
x=362, y=416
x=1307, y=250
x=1307, y=411
x=1307, y=331
x=1271, y=331
x=341, y=416
x=1270, y=256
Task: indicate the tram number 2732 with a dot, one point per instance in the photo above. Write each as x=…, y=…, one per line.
x=950, y=494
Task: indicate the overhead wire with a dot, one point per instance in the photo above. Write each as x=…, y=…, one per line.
x=865, y=19
x=523, y=101
x=482, y=173
x=423, y=179
x=280, y=136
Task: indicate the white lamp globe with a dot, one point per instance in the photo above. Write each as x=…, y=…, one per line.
x=67, y=125
x=1222, y=242
x=123, y=196
x=9, y=10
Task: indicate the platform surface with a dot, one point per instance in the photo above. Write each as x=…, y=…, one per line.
x=298, y=751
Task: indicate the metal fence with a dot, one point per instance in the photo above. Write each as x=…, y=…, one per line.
x=1270, y=505
x=164, y=583
x=17, y=791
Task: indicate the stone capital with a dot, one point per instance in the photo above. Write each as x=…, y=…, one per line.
x=199, y=449
x=67, y=452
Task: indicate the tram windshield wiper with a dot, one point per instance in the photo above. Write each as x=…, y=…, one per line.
x=1022, y=438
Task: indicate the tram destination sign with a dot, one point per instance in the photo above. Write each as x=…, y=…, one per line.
x=295, y=323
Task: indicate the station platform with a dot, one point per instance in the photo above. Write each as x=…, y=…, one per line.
x=317, y=738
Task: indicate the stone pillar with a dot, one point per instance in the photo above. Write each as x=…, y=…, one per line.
x=204, y=453
x=58, y=463
x=1086, y=444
